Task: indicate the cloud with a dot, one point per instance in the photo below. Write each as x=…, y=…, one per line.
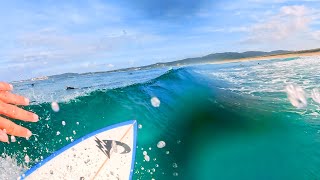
x=110, y=65
x=290, y=21
x=316, y=35
x=55, y=46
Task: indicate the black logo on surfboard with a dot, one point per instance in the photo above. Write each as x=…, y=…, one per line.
x=107, y=145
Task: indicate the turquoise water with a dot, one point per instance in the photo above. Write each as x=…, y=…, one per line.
x=227, y=121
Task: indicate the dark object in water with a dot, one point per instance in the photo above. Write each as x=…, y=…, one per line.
x=69, y=88
x=32, y=84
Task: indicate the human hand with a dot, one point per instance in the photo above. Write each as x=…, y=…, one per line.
x=8, y=109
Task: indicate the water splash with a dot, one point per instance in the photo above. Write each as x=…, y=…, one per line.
x=9, y=168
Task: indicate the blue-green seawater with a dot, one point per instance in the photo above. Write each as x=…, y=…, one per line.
x=226, y=121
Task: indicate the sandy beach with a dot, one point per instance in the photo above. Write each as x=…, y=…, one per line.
x=270, y=57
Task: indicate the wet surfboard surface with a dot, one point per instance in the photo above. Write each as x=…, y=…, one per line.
x=107, y=153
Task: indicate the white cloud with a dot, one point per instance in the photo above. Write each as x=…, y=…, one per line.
x=316, y=35
x=290, y=21
x=110, y=65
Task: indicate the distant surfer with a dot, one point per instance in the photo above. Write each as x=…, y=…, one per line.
x=8, y=108
x=70, y=87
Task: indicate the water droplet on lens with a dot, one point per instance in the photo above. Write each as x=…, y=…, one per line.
x=55, y=106
x=13, y=139
x=26, y=159
x=147, y=158
x=155, y=102
x=296, y=96
x=144, y=153
x=315, y=95
x=174, y=165
x=161, y=144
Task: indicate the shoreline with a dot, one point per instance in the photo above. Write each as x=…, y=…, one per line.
x=269, y=57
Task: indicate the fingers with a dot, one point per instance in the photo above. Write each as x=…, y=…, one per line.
x=3, y=136
x=10, y=98
x=12, y=129
x=5, y=86
x=17, y=113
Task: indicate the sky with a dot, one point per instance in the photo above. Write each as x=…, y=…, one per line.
x=40, y=38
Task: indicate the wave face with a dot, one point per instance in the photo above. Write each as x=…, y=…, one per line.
x=228, y=121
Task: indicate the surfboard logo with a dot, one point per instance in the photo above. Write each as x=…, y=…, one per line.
x=106, y=146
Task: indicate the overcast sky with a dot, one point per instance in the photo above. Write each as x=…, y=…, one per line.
x=52, y=37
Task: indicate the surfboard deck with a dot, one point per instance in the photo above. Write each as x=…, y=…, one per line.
x=108, y=153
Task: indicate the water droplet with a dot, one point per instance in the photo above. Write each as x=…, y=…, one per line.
x=67, y=138
x=296, y=96
x=153, y=169
x=167, y=152
x=142, y=168
x=175, y=174
x=55, y=106
x=161, y=144
x=179, y=141
x=147, y=158
x=74, y=132
x=145, y=153
x=77, y=123
x=150, y=148
x=175, y=165
x=58, y=133
x=315, y=95
x=13, y=139
x=155, y=102
x=140, y=126
x=63, y=123
x=26, y=159
x=157, y=165
x=154, y=159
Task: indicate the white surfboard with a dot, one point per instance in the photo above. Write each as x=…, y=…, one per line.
x=107, y=153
